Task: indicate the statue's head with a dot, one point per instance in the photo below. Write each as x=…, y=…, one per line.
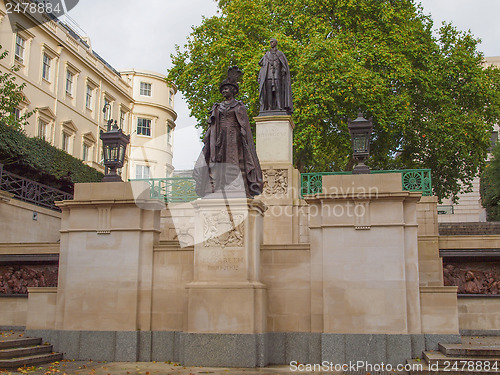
x=274, y=42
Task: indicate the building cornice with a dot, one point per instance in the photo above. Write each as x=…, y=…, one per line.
x=160, y=106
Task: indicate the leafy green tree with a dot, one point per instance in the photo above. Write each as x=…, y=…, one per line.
x=490, y=186
x=432, y=101
x=11, y=94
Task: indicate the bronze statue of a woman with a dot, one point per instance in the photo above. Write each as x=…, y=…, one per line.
x=228, y=162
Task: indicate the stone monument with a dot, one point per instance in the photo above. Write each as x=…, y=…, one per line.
x=274, y=135
x=226, y=300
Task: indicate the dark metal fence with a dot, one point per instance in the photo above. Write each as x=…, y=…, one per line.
x=30, y=191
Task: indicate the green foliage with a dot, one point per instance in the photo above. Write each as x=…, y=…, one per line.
x=490, y=186
x=36, y=159
x=11, y=94
x=432, y=102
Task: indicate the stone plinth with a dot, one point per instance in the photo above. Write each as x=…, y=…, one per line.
x=364, y=256
x=226, y=295
x=106, y=258
x=274, y=139
x=281, y=193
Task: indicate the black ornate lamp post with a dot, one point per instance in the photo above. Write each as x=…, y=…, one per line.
x=114, y=143
x=360, y=130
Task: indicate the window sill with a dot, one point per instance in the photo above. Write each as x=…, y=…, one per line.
x=46, y=81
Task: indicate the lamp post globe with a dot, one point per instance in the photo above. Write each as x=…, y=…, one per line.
x=360, y=130
x=114, y=143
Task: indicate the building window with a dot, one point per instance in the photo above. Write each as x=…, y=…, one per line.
x=107, y=106
x=20, y=46
x=142, y=171
x=171, y=98
x=145, y=89
x=65, y=142
x=88, y=97
x=143, y=126
x=122, y=119
x=17, y=113
x=85, y=152
x=43, y=129
x=46, y=67
x=169, y=135
x=69, y=82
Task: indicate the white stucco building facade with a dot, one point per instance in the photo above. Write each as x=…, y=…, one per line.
x=69, y=84
x=153, y=116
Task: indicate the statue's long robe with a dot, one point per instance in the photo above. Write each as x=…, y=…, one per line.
x=285, y=82
x=231, y=153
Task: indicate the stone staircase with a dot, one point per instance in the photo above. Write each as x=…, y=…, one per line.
x=475, y=355
x=19, y=351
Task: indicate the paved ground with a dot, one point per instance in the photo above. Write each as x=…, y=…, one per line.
x=160, y=368
x=66, y=367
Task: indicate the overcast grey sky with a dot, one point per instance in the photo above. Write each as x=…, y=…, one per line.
x=142, y=35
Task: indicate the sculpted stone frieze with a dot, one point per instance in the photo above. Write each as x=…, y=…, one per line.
x=275, y=181
x=223, y=230
x=473, y=277
x=16, y=279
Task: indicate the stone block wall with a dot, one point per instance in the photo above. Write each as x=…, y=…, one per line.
x=478, y=314
x=285, y=270
x=173, y=269
x=469, y=229
x=19, y=224
x=13, y=311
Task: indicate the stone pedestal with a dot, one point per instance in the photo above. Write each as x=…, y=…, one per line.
x=364, y=256
x=281, y=193
x=226, y=295
x=106, y=258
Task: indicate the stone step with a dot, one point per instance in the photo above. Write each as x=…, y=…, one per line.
x=25, y=351
x=30, y=360
x=421, y=367
x=448, y=361
x=19, y=342
x=457, y=350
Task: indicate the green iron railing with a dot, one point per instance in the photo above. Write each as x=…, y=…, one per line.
x=182, y=189
x=172, y=189
x=411, y=180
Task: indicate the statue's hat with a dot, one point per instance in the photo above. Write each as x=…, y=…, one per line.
x=233, y=75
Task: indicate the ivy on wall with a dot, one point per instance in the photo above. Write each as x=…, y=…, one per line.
x=38, y=160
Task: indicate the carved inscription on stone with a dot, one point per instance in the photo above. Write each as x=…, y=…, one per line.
x=223, y=230
x=222, y=260
x=473, y=277
x=275, y=181
x=272, y=132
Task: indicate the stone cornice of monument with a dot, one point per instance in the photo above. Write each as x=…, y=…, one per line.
x=112, y=193
x=234, y=202
x=270, y=117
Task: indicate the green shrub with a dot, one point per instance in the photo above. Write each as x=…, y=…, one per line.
x=38, y=160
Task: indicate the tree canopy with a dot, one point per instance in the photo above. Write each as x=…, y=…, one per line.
x=432, y=101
